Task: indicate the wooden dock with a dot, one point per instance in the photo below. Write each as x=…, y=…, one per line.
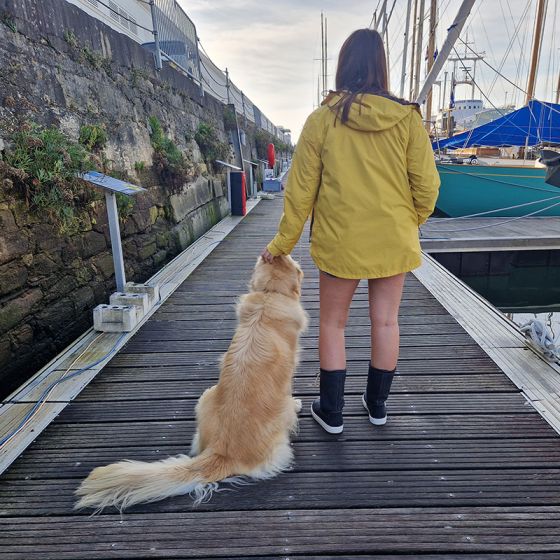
x=441, y=235
x=465, y=468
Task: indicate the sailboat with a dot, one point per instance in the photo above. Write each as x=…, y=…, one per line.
x=502, y=189
x=507, y=189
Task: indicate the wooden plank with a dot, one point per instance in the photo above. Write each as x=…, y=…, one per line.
x=405, y=530
x=221, y=344
x=435, y=353
x=357, y=428
x=83, y=410
x=458, y=366
x=189, y=388
x=445, y=488
x=318, y=456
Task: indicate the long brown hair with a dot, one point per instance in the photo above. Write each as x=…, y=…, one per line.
x=362, y=68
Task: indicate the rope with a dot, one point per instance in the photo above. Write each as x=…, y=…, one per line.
x=493, y=180
x=499, y=223
x=542, y=337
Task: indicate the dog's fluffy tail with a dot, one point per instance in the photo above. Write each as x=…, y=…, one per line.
x=127, y=483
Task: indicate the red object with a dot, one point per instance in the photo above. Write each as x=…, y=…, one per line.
x=271, y=156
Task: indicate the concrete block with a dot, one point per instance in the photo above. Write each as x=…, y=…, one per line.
x=151, y=291
x=115, y=318
x=140, y=301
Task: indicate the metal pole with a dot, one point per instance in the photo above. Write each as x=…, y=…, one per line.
x=431, y=50
x=243, y=105
x=115, y=232
x=444, y=91
x=558, y=90
x=446, y=48
x=419, y=41
x=405, y=47
x=536, y=51
x=157, y=53
x=227, y=86
x=413, y=51
x=197, y=40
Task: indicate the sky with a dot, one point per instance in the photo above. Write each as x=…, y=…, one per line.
x=271, y=48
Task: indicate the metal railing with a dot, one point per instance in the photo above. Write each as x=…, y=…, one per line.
x=176, y=41
x=175, y=37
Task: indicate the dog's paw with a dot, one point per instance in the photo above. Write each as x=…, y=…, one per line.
x=297, y=404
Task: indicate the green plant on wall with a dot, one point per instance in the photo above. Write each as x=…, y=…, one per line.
x=210, y=145
x=230, y=119
x=42, y=163
x=93, y=137
x=169, y=162
x=8, y=20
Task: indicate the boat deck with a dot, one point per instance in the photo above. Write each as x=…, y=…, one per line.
x=465, y=467
x=490, y=234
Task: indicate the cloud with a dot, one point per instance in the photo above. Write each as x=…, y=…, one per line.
x=270, y=48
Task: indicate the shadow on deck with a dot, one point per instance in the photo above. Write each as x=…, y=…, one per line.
x=465, y=466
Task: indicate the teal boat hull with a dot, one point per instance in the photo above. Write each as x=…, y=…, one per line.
x=471, y=189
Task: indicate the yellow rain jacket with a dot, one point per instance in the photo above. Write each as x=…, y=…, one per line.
x=369, y=183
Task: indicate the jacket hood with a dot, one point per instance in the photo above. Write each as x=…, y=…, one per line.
x=370, y=112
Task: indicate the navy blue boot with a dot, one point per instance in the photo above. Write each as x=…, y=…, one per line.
x=378, y=387
x=327, y=409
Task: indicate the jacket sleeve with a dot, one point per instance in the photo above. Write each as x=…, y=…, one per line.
x=301, y=189
x=423, y=176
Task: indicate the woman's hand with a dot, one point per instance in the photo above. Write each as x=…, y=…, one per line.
x=267, y=256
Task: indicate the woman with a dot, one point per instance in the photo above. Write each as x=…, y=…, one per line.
x=365, y=169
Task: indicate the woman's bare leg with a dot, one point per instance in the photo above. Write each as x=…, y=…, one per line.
x=384, y=300
x=335, y=295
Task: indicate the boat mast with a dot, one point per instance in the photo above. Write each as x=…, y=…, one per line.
x=558, y=89
x=431, y=50
x=413, y=51
x=453, y=32
x=323, y=51
x=419, y=47
x=405, y=46
x=536, y=51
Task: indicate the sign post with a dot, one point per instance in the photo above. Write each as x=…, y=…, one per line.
x=111, y=186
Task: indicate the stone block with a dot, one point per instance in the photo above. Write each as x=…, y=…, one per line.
x=147, y=251
x=83, y=298
x=104, y=265
x=151, y=291
x=12, y=277
x=115, y=318
x=92, y=243
x=194, y=196
x=14, y=311
x=7, y=222
x=12, y=245
x=138, y=300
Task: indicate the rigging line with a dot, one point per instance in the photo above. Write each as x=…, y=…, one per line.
x=478, y=214
x=443, y=166
x=485, y=96
x=495, y=69
x=498, y=224
x=510, y=45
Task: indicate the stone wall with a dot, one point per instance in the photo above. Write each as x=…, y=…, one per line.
x=60, y=67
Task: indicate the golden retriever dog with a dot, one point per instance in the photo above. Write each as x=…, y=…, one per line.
x=244, y=422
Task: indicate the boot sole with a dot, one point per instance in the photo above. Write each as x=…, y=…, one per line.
x=325, y=426
x=374, y=421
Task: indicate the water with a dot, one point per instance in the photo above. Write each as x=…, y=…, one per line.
x=523, y=294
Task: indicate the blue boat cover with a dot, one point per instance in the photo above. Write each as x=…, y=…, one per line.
x=538, y=122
